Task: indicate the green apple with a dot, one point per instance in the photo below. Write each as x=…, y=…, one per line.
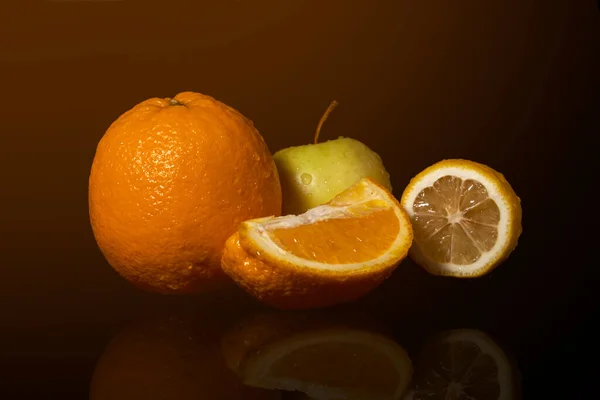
x=313, y=174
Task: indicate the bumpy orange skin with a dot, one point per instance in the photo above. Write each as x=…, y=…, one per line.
x=292, y=288
x=170, y=182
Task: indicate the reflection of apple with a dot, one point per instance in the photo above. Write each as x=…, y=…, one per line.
x=313, y=174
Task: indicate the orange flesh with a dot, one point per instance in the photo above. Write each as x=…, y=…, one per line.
x=455, y=221
x=341, y=241
x=353, y=367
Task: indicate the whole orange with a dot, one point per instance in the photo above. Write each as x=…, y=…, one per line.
x=170, y=182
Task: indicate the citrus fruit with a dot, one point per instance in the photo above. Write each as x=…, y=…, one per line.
x=333, y=253
x=169, y=357
x=325, y=361
x=464, y=364
x=466, y=218
x=170, y=182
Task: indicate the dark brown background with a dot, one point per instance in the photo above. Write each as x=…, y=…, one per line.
x=512, y=83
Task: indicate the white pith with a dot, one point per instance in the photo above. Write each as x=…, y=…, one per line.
x=487, y=347
x=258, y=230
x=257, y=370
x=494, y=193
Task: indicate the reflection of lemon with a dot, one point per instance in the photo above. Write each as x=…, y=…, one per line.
x=466, y=218
x=463, y=364
x=324, y=361
x=172, y=358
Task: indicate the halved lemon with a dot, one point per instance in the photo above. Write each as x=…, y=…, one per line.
x=334, y=364
x=464, y=364
x=333, y=253
x=466, y=218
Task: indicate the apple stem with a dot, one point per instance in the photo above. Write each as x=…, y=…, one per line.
x=324, y=118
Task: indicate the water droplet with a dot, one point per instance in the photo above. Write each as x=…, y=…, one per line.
x=306, y=178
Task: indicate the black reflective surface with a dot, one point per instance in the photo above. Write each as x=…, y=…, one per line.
x=513, y=84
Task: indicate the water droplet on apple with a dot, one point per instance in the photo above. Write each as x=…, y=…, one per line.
x=306, y=178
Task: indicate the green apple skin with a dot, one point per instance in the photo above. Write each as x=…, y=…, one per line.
x=313, y=174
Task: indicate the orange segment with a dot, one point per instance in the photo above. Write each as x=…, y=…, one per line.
x=341, y=241
x=333, y=253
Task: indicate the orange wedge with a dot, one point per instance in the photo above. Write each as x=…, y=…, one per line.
x=331, y=254
x=466, y=218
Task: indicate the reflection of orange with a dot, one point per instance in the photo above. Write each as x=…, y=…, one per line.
x=170, y=181
x=323, y=355
x=333, y=253
x=260, y=329
x=172, y=358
